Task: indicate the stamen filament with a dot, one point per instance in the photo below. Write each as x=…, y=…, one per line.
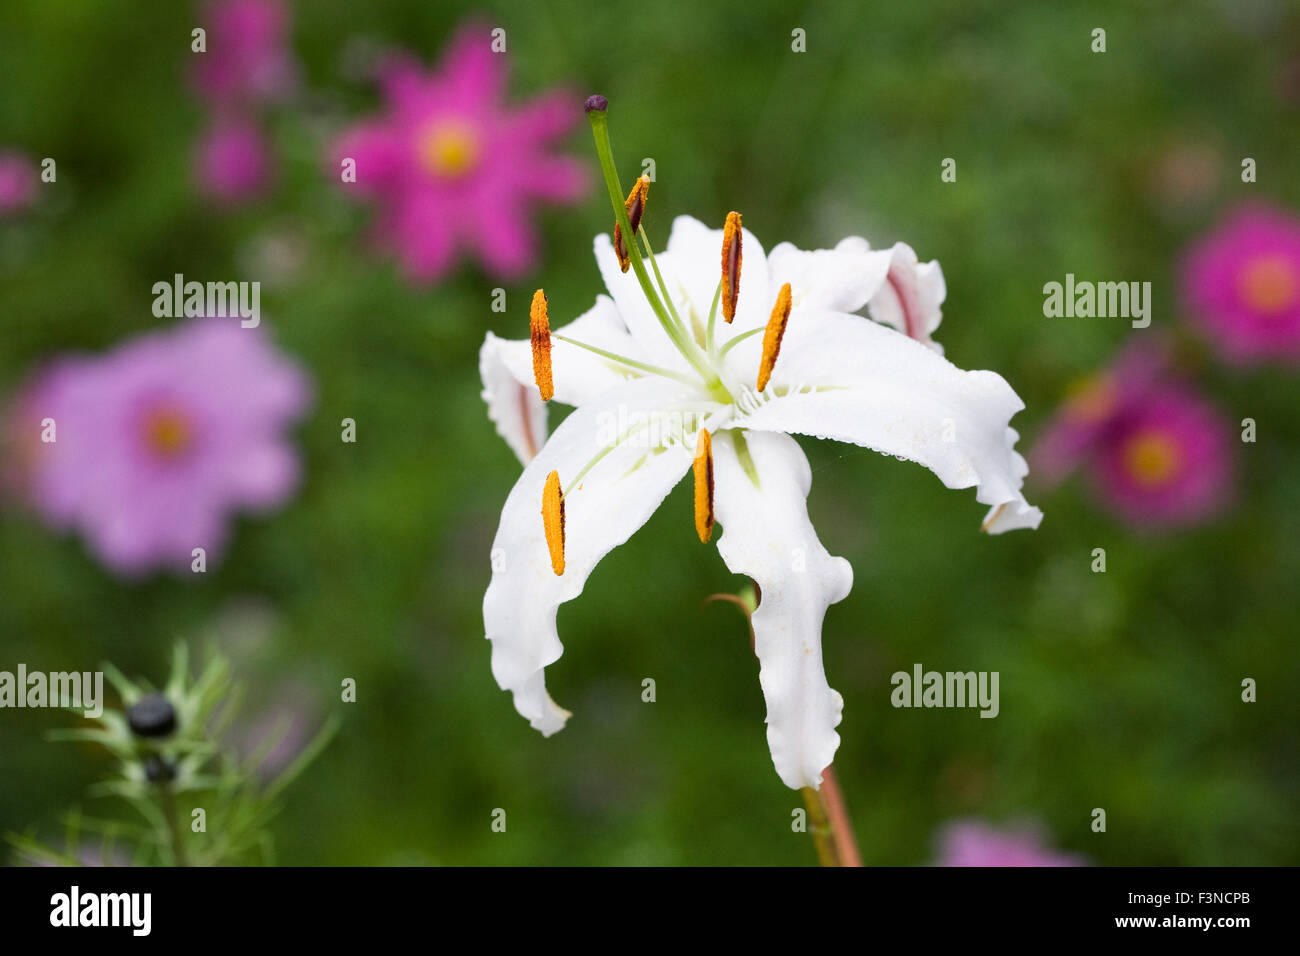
x=663, y=286
x=713, y=315
x=735, y=341
x=599, y=456
x=630, y=363
x=577, y=479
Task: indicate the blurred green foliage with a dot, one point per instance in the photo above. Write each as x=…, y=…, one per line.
x=1119, y=690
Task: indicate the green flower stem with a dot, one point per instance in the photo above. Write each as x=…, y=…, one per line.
x=600, y=132
x=176, y=836
x=819, y=825
x=828, y=823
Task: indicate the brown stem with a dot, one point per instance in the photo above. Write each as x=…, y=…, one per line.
x=828, y=822
x=846, y=844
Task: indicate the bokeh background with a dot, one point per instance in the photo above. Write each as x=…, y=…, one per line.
x=1118, y=690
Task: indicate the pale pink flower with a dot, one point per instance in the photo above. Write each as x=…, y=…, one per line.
x=159, y=442
x=974, y=843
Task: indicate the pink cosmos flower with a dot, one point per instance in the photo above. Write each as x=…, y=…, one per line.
x=247, y=59
x=1168, y=461
x=1242, y=282
x=972, y=843
x=158, y=442
x=234, y=162
x=1092, y=406
x=1158, y=452
x=19, y=181
x=451, y=167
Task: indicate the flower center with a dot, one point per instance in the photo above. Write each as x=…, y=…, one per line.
x=1152, y=458
x=168, y=433
x=1269, y=284
x=449, y=149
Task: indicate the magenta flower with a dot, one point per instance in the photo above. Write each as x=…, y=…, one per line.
x=1242, y=283
x=1158, y=452
x=247, y=63
x=247, y=59
x=19, y=181
x=158, y=442
x=972, y=843
x=234, y=162
x=451, y=167
x=1093, y=405
x=1168, y=461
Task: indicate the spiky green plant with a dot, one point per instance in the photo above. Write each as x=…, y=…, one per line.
x=171, y=762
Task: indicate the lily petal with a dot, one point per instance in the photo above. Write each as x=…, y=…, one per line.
x=506, y=366
x=1018, y=513
x=767, y=535
x=601, y=511
x=843, y=279
x=694, y=255
x=652, y=343
x=514, y=406
x=839, y=377
x=911, y=296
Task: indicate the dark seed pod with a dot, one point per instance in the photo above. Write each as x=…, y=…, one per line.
x=158, y=769
x=152, y=716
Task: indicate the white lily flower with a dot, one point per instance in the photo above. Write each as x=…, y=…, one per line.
x=662, y=387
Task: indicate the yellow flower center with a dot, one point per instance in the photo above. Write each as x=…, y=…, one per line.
x=1152, y=458
x=1269, y=284
x=449, y=149
x=168, y=434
